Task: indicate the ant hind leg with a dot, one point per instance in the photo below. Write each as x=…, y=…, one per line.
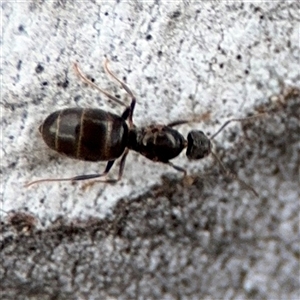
x=111, y=181
x=126, y=88
x=86, y=80
x=76, y=178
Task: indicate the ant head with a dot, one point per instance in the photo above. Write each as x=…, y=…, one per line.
x=199, y=145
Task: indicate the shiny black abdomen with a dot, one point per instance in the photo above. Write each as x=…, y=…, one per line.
x=86, y=134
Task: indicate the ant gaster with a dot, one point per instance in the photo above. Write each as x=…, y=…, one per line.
x=97, y=135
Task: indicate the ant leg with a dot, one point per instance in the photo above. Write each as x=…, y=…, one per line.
x=180, y=122
x=112, y=181
x=234, y=176
x=122, y=164
x=237, y=120
x=128, y=112
x=177, y=168
x=91, y=176
x=76, y=178
x=86, y=80
x=126, y=88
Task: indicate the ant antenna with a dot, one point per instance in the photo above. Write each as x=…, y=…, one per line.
x=233, y=176
x=224, y=169
x=237, y=120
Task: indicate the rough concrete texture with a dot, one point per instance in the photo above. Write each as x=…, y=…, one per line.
x=154, y=235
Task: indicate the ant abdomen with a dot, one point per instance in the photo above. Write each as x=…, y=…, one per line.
x=85, y=134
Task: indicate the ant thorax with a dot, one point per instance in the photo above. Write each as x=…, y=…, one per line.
x=156, y=142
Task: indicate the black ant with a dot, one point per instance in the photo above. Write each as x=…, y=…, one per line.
x=96, y=135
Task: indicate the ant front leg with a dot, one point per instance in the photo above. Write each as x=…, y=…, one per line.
x=180, y=169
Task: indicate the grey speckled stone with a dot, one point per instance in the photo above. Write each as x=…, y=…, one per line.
x=153, y=236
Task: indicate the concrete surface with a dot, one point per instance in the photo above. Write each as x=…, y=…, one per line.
x=151, y=236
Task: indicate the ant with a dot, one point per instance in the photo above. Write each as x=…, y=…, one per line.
x=93, y=134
